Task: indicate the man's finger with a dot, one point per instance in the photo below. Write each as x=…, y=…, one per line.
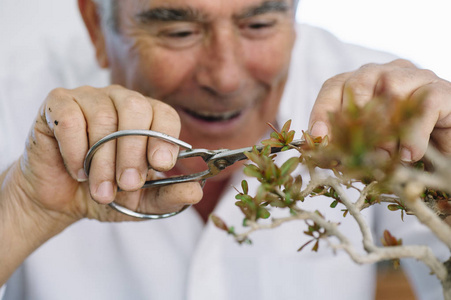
x=163, y=155
x=435, y=122
x=65, y=118
x=101, y=119
x=172, y=197
x=134, y=112
x=329, y=99
x=161, y=200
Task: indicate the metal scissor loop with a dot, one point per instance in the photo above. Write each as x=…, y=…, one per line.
x=216, y=161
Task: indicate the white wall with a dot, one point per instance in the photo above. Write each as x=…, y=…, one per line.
x=21, y=20
x=419, y=30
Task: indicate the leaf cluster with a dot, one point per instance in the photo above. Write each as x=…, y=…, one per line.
x=280, y=139
x=359, y=132
x=352, y=155
x=277, y=187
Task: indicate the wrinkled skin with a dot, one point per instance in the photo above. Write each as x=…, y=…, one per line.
x=398, y=80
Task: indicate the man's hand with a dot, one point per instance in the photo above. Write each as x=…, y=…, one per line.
x=47, y=190
x=399, y=79
x=71, y=121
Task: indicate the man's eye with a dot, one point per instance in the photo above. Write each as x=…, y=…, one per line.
x=179, y=34
x=261, y=25
x=259, y=28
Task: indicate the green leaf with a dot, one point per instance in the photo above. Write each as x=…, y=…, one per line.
x=334, y=204
x=240, y=204
x=231, y=230
x=244, y=198
x=266, y=151
x=270, y=197
x=289, y=166
x=252, y=171
x=253, y=155
x=318, y=189
x=245, y=186
x=272, y=143
x=245, y=210
x=284, y=135
x=274, y=135
x=288, y=198
x=263, y=213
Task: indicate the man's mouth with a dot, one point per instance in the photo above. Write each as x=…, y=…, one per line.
x=213, y=116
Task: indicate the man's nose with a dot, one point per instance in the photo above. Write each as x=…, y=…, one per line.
x=221, y=68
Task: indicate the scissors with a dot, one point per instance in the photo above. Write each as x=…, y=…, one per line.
x=216, y=161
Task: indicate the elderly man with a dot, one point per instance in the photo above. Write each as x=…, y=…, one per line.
x=212, y=73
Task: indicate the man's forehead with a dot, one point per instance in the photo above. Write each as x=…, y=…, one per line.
x=207, y=9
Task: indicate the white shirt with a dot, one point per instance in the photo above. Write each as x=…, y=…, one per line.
x=180, y=257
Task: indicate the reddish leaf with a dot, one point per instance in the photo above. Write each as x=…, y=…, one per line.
x=389, y=240
x=290, y=137
x=219, y=223
x=286, y=126
x=279, y=136
x=303, y=246
x=393, y=207
x=316, y=246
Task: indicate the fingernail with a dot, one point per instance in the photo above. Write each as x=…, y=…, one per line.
x=130, y=179
x=406, y=155
x=163, y=158
x=81, y=175
x=319, y=128
x=105, y=191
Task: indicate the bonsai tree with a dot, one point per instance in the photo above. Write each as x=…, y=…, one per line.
x=354, y=162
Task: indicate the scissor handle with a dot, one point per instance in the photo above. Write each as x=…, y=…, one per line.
x=216, y=161
x=149, y=133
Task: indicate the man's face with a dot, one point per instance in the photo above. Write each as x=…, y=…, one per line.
x=221, y=64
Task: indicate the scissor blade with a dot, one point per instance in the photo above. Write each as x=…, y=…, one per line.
x=230, y=157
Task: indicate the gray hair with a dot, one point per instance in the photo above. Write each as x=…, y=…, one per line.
x=107, y=10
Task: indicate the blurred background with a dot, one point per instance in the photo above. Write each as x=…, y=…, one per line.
x=418, y=30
